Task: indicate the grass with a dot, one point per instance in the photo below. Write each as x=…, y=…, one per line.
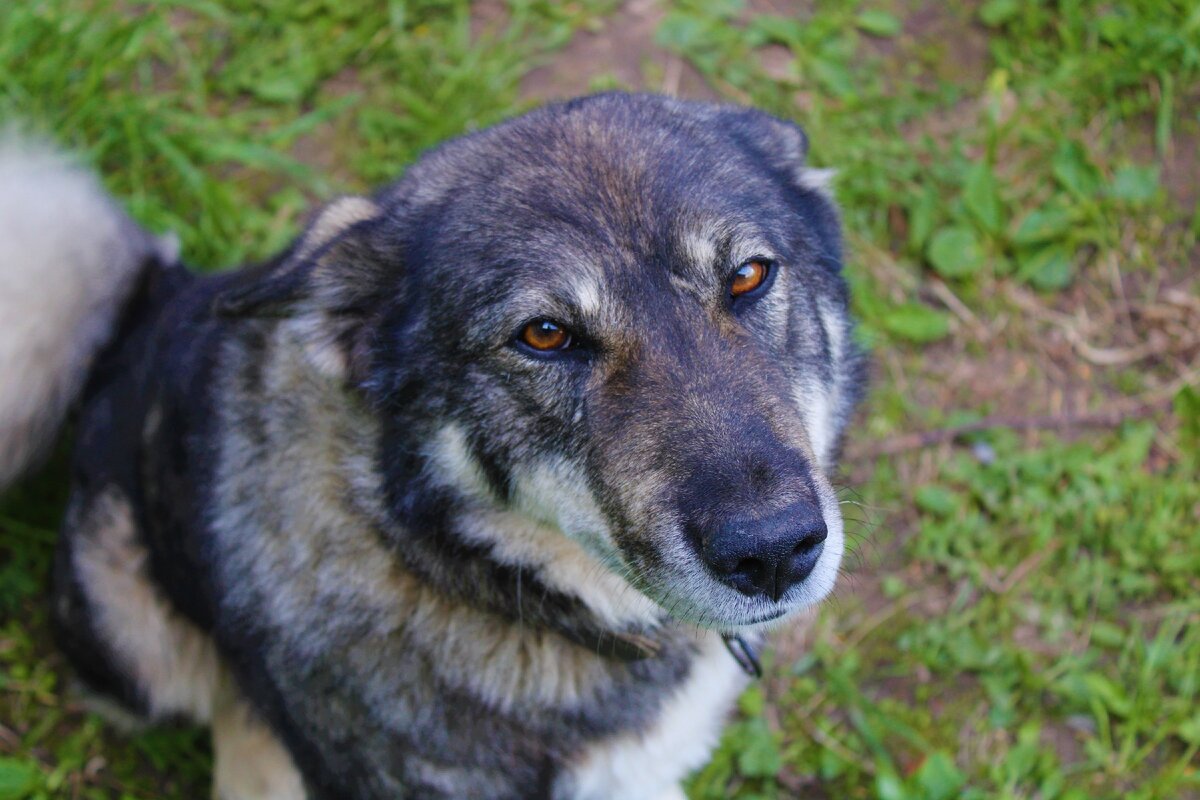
x=1020, y=616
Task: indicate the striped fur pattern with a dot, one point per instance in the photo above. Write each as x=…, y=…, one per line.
x=393, y=553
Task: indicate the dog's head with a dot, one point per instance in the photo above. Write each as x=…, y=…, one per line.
x=622, y=317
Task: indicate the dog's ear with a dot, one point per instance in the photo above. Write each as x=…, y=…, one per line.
x=783, y=146
x=292, y=280
x=325, y=284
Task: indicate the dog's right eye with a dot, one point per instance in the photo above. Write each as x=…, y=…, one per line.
x=750, y=278
x=545, y=336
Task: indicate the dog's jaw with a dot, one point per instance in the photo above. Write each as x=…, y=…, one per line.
x=552, y=524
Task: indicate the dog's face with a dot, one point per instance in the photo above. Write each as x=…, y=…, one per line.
x=623, y=318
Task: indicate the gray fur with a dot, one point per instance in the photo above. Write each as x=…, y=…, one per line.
x=431, y=562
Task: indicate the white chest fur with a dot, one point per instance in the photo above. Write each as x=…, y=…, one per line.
x=651, y=765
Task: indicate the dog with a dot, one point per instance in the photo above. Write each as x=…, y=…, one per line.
x=486, y=487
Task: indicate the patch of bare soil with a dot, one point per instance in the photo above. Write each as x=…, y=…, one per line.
x=1180, y=161
x=959, y=42
x=621, y=50
x=322, y=148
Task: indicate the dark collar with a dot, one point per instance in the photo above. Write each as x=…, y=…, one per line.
x=744, y=654
x=640, y=646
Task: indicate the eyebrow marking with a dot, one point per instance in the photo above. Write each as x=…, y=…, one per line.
x=587, y=296
x=699, y=248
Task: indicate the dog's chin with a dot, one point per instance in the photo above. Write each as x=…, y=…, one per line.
x=769, y=617
x=726, y=610
x=769, y=621
x=724, y=622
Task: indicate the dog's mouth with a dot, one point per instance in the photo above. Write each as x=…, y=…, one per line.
x=768, y=617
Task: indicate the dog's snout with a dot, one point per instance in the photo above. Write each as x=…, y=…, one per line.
x=769, y=555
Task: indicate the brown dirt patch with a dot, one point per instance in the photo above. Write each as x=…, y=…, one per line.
x=959, y=42
x=621, y=50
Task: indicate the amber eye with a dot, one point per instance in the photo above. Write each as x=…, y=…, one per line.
x=748, y=277
x=545, y=336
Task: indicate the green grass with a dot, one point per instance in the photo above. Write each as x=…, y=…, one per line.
x=1020, y=616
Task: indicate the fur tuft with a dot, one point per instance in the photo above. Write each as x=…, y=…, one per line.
x=69, y=257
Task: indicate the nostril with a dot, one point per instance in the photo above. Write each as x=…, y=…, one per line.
x=812, y=540
x=804, y=559
x=748, y=566
x=748, y=575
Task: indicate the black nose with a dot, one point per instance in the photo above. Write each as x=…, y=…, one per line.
x=766, y=556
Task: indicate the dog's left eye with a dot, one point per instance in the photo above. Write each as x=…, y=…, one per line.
x=750, y=278
x=545, y=336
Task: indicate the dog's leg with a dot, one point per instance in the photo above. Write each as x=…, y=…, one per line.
x=129, y=645
x=250, y=763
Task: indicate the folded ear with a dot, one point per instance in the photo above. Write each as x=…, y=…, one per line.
x=277, y=287
x=324, y=284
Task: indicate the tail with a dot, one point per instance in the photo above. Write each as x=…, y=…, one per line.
x=69, y=259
